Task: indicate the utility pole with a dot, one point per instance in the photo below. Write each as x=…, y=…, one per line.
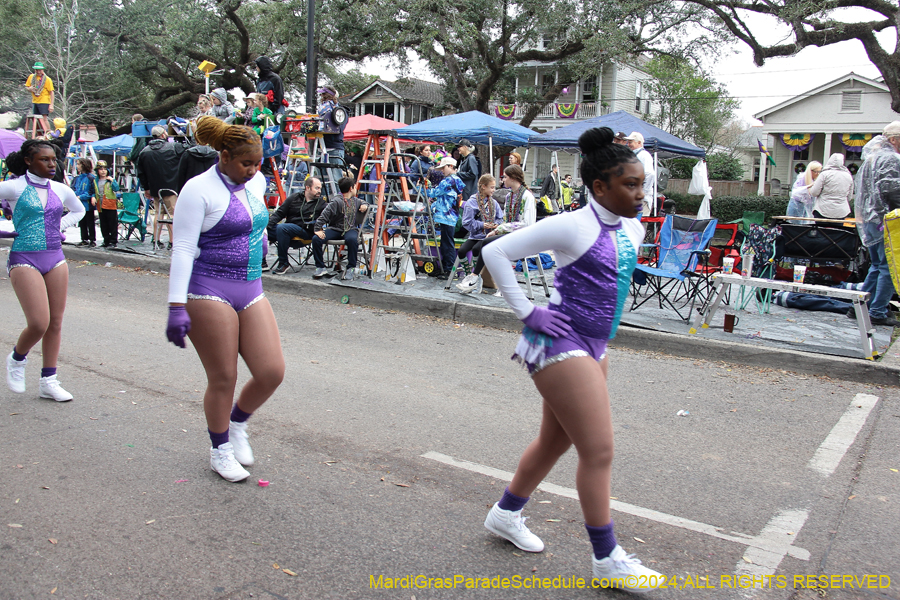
x=311, y=78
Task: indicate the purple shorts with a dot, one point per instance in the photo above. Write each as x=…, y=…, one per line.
x=42, y=261
x=239, y=295
x=537, y=351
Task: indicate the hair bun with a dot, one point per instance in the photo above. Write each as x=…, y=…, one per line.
x=211, y=131
x=595, y=138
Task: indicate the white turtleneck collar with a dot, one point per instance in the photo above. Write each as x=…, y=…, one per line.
x=37, y=179
x=606, y=216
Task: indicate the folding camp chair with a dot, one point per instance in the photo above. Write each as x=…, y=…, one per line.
x=130, y=217
x=674, y=280
x=761, y=242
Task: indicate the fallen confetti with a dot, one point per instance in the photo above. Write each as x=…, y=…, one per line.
x=263, y=483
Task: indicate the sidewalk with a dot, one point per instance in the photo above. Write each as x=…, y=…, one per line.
x=816, y=343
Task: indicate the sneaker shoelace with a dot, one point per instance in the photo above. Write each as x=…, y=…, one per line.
x=628, y=563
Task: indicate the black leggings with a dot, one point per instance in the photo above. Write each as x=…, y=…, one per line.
x=479, y=264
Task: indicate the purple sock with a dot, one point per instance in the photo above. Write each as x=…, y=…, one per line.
x=239, y=416
x=602, y=539
x=218, y=438
x=17, y=356
x=510, y=501
x=47, y=372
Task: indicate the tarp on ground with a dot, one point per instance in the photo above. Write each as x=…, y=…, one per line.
x=10, y=141
x=358, y=127
x=118, y=144
x=655, y=139
x=474, y=126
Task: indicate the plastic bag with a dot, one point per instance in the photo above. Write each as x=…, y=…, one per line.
x=700, y=186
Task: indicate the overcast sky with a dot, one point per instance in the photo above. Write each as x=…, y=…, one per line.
x=759, y=88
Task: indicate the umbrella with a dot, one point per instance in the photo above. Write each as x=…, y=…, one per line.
x=10, y=141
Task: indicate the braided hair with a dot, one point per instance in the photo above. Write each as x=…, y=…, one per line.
x=600, y=156
x=237, y=139
x=15, y=162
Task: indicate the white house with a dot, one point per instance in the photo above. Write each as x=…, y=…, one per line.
x=836, y=117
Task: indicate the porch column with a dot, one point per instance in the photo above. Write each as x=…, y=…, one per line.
x=761, y=190
x=827, y=148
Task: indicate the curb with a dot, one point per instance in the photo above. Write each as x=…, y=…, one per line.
x=886, y=372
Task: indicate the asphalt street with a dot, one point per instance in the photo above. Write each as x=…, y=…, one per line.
x=387, y=443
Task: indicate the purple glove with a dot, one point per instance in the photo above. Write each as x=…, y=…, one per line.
x=549, y=322
x=179, y=325
x=9, y=234
x=6, y=210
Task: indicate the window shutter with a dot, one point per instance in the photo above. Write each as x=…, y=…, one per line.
x=851, y=100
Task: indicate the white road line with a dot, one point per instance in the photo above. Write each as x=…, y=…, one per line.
x=832, y=450
x=771, y=544
x=783, y=526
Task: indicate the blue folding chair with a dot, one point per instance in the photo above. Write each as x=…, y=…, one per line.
x=674, y=280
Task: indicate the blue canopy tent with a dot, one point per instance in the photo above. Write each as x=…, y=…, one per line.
x=474, y=126
x=114, y=145
x=656, y=141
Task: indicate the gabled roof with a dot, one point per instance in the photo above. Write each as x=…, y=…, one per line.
x=408, y=89
x=851, y=76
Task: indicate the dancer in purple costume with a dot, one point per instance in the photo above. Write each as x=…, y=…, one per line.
x=563, y=346
x=215, y=290
x=37, y=268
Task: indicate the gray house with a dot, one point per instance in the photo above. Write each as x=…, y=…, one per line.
x=407, y=100
x=839, y=116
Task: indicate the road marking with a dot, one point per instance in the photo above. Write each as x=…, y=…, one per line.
x=768, y=543
x=832, y=450
x=783, y=526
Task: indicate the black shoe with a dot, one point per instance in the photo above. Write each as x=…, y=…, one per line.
x=851, y=313
x=82, y=243
x=443, y=276
x=265, y=265
x=886, y=321
x=93, y=244
x=169, y=246
x=280, y=269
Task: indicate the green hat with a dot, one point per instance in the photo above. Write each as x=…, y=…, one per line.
x=38, y=65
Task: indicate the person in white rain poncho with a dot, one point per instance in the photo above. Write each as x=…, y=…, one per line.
x=832, y=190
x=801, y=204
x=877, y=193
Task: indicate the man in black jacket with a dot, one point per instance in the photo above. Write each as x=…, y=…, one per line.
x=468, y=170
x=299, y=213
x=268, y=81
x=158, y=173
x=550, y=187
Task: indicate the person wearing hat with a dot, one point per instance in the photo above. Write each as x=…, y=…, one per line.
x=877, y=193
x=158, y=174
x=620, y=138
x=106, y=191
x=636, y=143
x=445, y=199
x=41, y=88
x=468, y=168
x=334, y=142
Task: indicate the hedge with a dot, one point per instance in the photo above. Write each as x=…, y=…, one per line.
x=731, y=208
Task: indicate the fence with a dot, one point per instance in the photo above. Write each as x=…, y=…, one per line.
x=720, y=188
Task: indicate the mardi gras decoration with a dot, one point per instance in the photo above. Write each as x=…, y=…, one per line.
x=855, y=141
x=505, y=111
x=567, y=110
x=797, y=141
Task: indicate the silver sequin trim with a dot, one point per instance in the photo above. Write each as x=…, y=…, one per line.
x=203, y=297
x=11, y=267
x=561, y=357
x=254, y=301
x=62, y=262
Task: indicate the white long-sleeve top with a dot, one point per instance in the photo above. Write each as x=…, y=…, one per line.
x=568, y=235
x=201, y=204
x=12, y=189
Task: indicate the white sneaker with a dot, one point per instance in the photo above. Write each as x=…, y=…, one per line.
x=240, y=439
x=50, y=388
x=15, y=374
x=221, y=460
x=625, y=572
x=468, y=284
x=511, y=526
x=320, y=273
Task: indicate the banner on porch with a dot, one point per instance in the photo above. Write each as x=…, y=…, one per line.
x=505, y=111
x=567, y=110
x=797, y=141
x=855, y=141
